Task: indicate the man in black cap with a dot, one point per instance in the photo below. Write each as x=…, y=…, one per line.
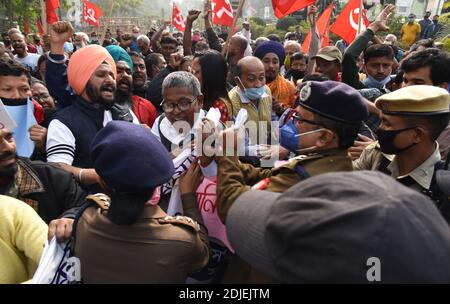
x=347, y=227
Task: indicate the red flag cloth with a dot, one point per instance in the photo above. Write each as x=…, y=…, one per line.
x=40, y=27
x=222, y=12
x=346, y=24
x=51, y=11
x=323, y=27
x=26, y=26
x=177, y=18
x=91, y=13
x=53, y=3
x=282, y=8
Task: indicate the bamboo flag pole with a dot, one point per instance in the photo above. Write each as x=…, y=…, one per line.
x=44, y=16
x=230, y=29
x=360, y=16
x=102, y=37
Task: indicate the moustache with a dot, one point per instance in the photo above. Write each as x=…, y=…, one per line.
x=6, y=155
x=108, y=88
x=139, y=75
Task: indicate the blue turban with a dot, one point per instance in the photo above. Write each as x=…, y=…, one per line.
x=271, y=47
x=118, y=53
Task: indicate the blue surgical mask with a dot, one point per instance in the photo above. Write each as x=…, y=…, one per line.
x=371, y=82
x=288, y=136
x=253, y=93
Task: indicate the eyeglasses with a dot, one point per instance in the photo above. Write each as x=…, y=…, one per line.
x=182, y=105
x=41, y=97
x=302, y=120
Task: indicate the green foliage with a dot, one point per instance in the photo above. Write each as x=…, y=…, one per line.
x=285, y=23
x=258, y=21
x=395, y=24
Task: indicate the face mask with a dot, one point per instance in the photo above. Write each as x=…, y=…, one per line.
x=14, y=101
x=288, y=136
x=253, y=93
x=371, y=82
x=287, y=62
x=296, y=74
x=387, y=138
x=410, y=20
x=435, y=21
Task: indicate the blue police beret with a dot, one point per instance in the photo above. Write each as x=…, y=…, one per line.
x=271, y=47
x=334, y=100
x=129, y=158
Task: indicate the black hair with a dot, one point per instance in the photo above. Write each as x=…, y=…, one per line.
x=151, y=60
x=346, y=133
x=127, y=208
x=437, y=60
x=214, y=75
x=299, y=56
x=9, y=67
x=426, y=43
x=41, y=59
x=274, y=37
x=435, y=124
x=378, y=50
x=316, y=77
x=136, y=54
x=168, y=40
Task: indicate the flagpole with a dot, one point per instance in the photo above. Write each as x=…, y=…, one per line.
x=102, y=37
x=230, y=29
x=359, y=17
x=44, y=16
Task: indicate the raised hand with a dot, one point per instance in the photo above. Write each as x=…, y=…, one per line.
x=380, y=22
x=60, y=32
x=192, y=16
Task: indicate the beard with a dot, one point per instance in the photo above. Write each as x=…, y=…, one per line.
x=10, y=170
x=96, y=97
x=123, y=96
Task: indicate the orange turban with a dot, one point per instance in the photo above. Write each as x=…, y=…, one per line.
x=84, y=62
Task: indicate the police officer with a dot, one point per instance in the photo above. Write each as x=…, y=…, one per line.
x=412, y=119
x=324, y=126
x=326, y=123
x=126, y=237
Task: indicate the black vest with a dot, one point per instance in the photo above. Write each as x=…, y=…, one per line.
x=84, y=120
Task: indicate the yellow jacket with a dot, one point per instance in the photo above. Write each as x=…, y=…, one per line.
x=22, y=238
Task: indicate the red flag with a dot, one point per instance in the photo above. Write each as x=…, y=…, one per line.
x=26, y=27
x=91, y=13
x=51, y=6
x=40, y=27
x=177, y=18
x=323, y=26
x=282, y=8
x=346, y=24
x=222, y=12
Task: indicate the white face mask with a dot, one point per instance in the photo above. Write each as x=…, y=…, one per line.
x=309, y=149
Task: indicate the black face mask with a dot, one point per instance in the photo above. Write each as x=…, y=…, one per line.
x=387, y=138
x=14, y=101
x=296, y=74
x=435, y=21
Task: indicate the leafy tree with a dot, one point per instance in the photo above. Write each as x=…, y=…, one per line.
x=284, y=23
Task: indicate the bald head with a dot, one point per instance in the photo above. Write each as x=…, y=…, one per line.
x=250, y=72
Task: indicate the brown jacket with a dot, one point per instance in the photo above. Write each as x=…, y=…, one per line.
x=155, y=249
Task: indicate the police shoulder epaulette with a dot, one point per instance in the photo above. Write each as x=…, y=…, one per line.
x=180, y=220
x=306, y=157
x=102, y=200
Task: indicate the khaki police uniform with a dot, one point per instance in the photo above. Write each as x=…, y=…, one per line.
x=155, y=249
x=420, y=100
x=234, y=177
